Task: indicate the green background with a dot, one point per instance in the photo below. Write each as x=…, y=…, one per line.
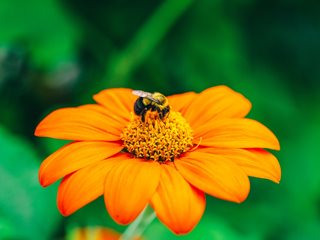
x=59, y=53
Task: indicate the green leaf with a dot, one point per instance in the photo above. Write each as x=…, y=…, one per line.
x=24, y=205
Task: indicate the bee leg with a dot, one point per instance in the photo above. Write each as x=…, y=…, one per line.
x=166, y=111
x=143, y=114
x=161, y=115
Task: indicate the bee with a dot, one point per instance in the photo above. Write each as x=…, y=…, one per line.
x=150, y=102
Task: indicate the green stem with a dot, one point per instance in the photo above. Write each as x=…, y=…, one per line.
x=139, y=225
x=151, y=33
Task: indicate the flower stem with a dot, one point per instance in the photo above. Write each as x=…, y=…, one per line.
x=144, y=42
x=139, y=225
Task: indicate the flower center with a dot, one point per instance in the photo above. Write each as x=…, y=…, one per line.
x=156, y=139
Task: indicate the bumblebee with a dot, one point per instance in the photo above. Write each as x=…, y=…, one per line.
x=150, y=102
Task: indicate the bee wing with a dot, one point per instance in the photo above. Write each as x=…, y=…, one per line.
x=140, y=93
x=145, y=95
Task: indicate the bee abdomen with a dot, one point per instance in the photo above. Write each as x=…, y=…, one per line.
x=139, y=106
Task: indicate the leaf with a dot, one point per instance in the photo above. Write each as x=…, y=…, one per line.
x=24, y=206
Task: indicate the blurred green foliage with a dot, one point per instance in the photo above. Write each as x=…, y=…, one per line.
x=59, y=53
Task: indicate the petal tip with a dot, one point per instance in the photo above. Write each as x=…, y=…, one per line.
x=182, y=231
x=243, y=192
x=43, y=183
x=274, y=141
x=38, y=130
x=64, y=212
x=121, y=221
x=241, y=199
x=42, y=179
x=277, y=179
x=63, y=209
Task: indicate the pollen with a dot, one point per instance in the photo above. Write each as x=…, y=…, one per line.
x=156, y=139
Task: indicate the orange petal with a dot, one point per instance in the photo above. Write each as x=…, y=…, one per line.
x=79, y=124
x=254, y=162
x=119, y=101
x=129, y=187
x=219, y=178
x=93, y=233
x=181, y=102
x=83, y=186
x=104, y=111
x=236, y=133
x=73, y=157
x=178, y=205
x=214, y=103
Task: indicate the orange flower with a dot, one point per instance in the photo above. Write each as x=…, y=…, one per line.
x=204, y=145
x=96, y=233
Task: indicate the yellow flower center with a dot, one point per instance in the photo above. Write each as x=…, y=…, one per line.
x=156, y=139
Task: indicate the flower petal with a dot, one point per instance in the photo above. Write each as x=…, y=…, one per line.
x=93, y=233
x=254, y=162
x=236, y=133
x=73, y=157
x=118, y=101
x=214, y=103
x=181, y=102
x=79, y=124
x=83, y=186
x=178, y=205
x=213, y=175
x=104, y=111
x=129, y=187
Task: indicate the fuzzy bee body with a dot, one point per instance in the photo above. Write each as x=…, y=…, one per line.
x=151, y=102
